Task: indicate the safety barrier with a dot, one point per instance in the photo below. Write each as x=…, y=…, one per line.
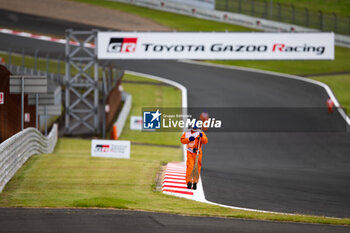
x=123, y=115
x=15, y=151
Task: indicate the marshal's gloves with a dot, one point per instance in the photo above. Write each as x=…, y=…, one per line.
x=200, y=135
x=191, y=138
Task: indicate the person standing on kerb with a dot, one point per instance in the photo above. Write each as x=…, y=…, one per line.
x=193, y=139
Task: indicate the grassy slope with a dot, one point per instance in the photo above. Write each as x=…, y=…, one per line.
x=152, y=96
x=70, y=177
x=340, y=84
x=174, y=21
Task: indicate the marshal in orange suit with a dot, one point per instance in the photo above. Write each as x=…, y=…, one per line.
x=191, y=139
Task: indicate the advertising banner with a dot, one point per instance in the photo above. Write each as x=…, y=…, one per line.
x=209, y=4
x=136, y=123
x=216, y=46
x=110, y=149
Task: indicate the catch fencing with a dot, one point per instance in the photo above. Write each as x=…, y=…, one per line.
x=288, y=13
x=15, y=151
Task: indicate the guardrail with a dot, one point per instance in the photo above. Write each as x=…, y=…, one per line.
x=123, y=115
x=15, y=151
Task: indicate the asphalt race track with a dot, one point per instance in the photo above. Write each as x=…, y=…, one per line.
x=304, y=172
x=92, y=221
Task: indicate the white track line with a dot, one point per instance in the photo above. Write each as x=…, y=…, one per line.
x=41, y=37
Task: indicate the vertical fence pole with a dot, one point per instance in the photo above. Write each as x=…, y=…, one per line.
x=45, y=120
x=307, y=17
x=22, y=65
x=252, y=9
x=36, y=111
x=104, y=90
x=226, y=5
x=279, y=11
x=10, y=56
x=293, y=13
x=239, y=6
x=265, y=15
x=59, y=64
x=335, y=29
x=47, y=64
x=321, y=20
x=109, y=78
x=36, y=60
x=22, y=102
x=271, y=9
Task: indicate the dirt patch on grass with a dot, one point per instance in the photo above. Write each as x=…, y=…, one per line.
x=83, y=13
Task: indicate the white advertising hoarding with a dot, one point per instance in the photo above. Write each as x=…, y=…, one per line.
x=110, y=149
x=136, y=123
x=209, y=4
x=216, y=46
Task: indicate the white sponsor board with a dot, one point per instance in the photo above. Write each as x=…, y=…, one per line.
x=2, y=98
x=27, y=117
x=110, y=149
x=136, y=123
x=209, y=4
x=213, y=46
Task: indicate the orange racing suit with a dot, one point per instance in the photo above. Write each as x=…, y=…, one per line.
x=191, y=148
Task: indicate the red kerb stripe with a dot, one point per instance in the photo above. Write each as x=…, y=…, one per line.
x=176, y=191
x=174, y=186
x=174, y=182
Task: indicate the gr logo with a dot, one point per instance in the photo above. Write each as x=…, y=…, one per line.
x=151, y=120
x=122, y=45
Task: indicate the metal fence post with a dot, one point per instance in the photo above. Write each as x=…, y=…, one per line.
x=22, y=65
x=45, y=115
x=22, y=103
x=239, y=6
x=307, y=16
x=321, y=20
x=226, y=5
x=109, y=78
x=265, y=13
x=252, y=9
x=293, y=13
x=47, y=64
x=9, y=57
x=335, y=22
x=36, y=60
x=279, y=11
x=36, y=111
x=59, y=64
x=104, y=98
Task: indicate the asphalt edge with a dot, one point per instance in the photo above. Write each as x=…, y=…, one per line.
x=200, y=189
x=278, y=74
